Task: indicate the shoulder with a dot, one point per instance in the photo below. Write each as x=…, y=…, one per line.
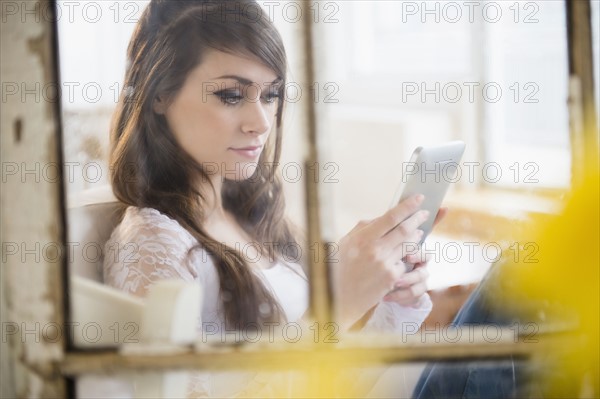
x=150, y=230
x=150, y=245
x=140, y=222
x=146, y=230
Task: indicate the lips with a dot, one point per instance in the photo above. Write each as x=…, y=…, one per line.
x=251, y=151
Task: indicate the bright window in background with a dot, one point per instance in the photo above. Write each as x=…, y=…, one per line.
x=525, y=54
x=494, y=74
x=92, y=41
x=491, y=73
x=92, y=38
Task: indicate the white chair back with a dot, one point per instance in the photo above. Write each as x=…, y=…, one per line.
x=91, y=217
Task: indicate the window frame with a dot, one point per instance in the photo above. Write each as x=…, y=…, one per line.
x=59, y=366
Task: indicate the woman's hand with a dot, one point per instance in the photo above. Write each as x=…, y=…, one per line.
x=370, y=259
x=410, y=288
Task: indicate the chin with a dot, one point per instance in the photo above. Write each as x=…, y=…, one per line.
x=243, y=171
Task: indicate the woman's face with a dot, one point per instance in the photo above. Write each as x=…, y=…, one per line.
x=223, y=114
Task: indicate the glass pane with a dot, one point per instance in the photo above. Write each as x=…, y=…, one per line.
x=93, y=39
x=385, y=85
x=527, y=127
x=93, y=42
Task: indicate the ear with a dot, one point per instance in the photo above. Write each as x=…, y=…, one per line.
x=159, y=106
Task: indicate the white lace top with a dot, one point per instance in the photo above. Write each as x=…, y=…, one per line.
x=148, y=246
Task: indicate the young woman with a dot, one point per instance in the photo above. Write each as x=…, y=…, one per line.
x=194, y=140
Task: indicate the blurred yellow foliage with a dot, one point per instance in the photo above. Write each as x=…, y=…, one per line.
x=564, y=275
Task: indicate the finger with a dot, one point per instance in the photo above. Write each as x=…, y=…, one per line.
x=422, y=268
x=360, y=225
x=392, y=218
x=405, y=232
x=418, y=258
x=407, y=246
x=416, y=276
x=408, y=295
x=407, y=228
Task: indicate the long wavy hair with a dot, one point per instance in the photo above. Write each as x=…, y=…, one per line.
x=150, y=169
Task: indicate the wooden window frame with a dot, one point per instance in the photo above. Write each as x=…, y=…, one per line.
x=55, y=362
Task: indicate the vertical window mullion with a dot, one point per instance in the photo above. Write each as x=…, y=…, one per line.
x=320, y=298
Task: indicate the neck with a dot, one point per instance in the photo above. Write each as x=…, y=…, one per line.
x=214, y=204
x=219, y=223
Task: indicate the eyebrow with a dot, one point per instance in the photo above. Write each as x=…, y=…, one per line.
x=245, y=81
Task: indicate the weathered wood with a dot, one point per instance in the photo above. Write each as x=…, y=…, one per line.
x=582, y=110
x=32, y=278
x=361, y=352
x=31, y=204
x=320, y=294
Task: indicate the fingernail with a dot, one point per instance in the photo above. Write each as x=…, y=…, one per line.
x=425, y=214
x=420, y=197
x=419, y=232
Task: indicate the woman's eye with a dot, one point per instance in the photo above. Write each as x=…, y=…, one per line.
x=271, y=97
x=229, y=97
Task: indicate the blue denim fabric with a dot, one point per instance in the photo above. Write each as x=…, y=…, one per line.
x=473, y=380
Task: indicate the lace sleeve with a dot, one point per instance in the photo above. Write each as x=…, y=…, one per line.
x=392, y=317
x=146, y=247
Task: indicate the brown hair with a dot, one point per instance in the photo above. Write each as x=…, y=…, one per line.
x=149, y=168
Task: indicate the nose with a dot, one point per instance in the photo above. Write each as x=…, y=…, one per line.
x=257, y=117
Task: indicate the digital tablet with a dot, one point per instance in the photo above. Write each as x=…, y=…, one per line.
x=430, y=172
